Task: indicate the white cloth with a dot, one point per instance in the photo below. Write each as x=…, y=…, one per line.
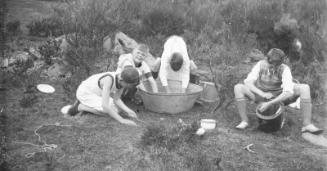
x=172, y=45
x=287, y=79
x=90, y=94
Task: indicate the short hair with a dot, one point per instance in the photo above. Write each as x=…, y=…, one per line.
x=276, y=54
x=176, y=61
x=130, y=75
x=143, y=48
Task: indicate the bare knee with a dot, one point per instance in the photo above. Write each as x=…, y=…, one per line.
x=238, y=88
x=305, y=87
x=303, y=90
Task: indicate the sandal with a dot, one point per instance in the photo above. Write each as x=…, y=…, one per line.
x=312, y=129
x=73, y=110
x=242, y=125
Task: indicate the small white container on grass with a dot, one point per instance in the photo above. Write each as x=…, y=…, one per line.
x=208, y=124
x=200, y=131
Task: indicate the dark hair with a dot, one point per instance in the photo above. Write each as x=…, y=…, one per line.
x=130, y=75
x=276, y=55
x=176, y=61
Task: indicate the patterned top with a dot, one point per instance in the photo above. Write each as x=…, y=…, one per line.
x=267, y=79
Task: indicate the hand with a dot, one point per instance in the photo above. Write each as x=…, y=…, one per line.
x=131, y=114
x=128, y=122
x=264, y=106
x=267, y=95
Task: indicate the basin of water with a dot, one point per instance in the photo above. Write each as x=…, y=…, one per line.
x=173, y=102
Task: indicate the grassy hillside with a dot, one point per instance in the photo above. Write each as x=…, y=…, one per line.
x=220, y=32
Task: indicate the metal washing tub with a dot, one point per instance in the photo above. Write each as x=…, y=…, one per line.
x=171, y=103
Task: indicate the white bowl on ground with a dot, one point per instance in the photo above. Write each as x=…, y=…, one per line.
x=208, y=124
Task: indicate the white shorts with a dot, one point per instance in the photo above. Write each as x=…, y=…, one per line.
x=93, y=100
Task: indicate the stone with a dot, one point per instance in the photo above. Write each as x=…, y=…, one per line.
x=56, y=71
x=123, y=44
x=36, y=54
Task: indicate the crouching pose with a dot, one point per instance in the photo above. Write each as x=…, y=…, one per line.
x=270, y=81
x=100, y=94
x=175, y=63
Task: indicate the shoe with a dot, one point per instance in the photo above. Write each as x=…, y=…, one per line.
x=242, y=125
x=73, y=110
x=311, y=129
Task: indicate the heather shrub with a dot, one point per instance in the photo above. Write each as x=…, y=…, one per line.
x=45, y=27
x=49, y=50
x=222, y=32
x=164, y=21
x=13, y=28
x=264, y=25
x=85, y=24
x=175, y=148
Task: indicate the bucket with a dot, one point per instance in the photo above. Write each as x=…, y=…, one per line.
x=272, y=119
x=209, y=93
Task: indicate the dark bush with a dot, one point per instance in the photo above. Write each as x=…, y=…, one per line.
x=28, y=100
x=82, y=57
x=199, y=162
x=13, y=27
x=49, y=50
x=171, y=139
x=154, y=135
x=54, y=0
x=164, y=21
x=177, y=148
x=45, y=27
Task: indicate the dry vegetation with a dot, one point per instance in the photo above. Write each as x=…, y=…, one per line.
x=218, y=32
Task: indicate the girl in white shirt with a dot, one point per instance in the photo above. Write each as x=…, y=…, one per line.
x=100, y=94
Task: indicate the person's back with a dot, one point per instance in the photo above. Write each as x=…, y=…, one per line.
x=175, y=62
x=91, y=84
x=101, y=94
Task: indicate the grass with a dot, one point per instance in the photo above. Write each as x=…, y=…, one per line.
x=100, y=143
x=97, y=143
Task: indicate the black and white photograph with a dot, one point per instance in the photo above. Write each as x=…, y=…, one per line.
x=163, y=85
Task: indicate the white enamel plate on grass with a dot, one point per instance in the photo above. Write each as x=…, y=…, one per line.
x=45, y=88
